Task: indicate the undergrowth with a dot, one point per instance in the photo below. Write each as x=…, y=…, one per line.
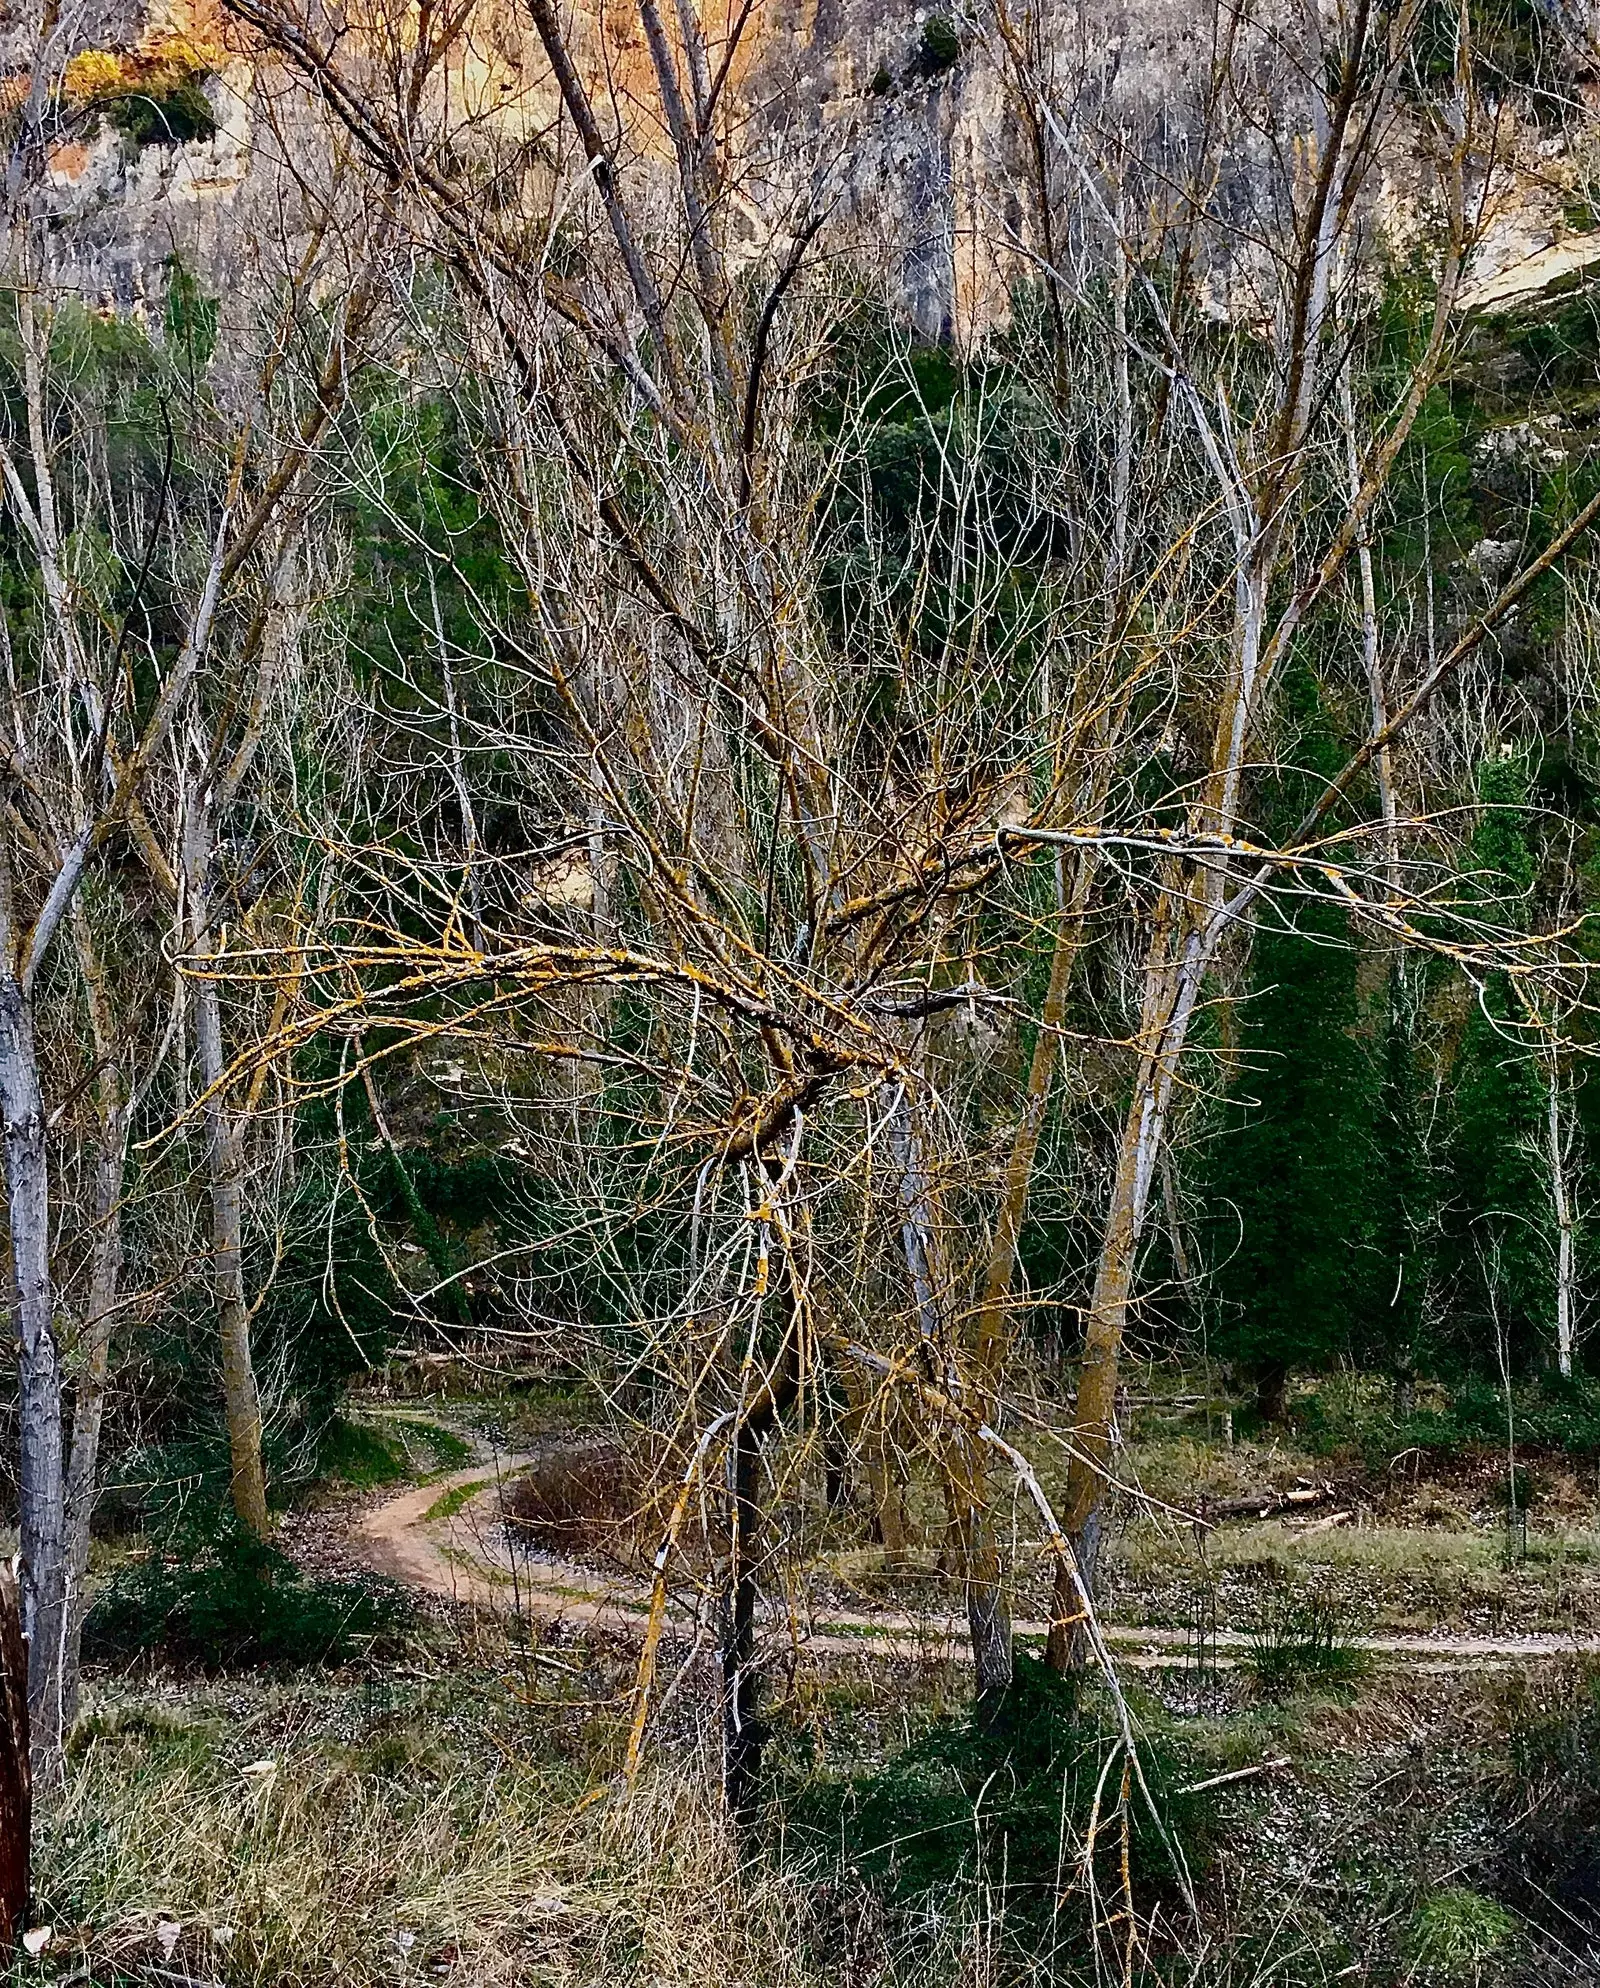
x=1301, y=1641
x=225, y=1597
x=289, y=1835
x=1019, y=1812
x=1547, y=1414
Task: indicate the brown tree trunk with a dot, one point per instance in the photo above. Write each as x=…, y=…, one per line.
x=240, y=1395
x=225, y=1169
x=1171, y=989
x=982, y=1570
x=1272, y=1391
x=963, y=1463
x=742, y=1732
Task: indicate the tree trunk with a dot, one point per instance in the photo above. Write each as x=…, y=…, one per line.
x=981, y=1568
x=16, y=1777
x=964, y=1469
x=1171, y=988
x=743, y=1734
x=241, y=1397
x=1561, y=1198
x=42, y=1500
x=1272, y=1392
x=225, y=1167
x=869, y=1436
x=94, y=1348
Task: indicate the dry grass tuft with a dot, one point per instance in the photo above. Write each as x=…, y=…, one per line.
x=305, y=1841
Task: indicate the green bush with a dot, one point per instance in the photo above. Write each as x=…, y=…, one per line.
x=997, y=1801
x=232, y=1599
x=1455, y=1932
x=1302, y=1641
x=1549, y=1414
x=940, y=49
x=176, y=117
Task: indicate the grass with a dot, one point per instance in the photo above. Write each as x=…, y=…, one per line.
x=1303, y=1642
x=290, y=1836
x=454, y=1501
x=453, y=1817
x=356, y=1454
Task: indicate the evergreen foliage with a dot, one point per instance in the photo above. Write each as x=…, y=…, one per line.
x=1498, y=1276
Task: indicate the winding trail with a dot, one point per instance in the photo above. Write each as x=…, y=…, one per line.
x=445, y=1538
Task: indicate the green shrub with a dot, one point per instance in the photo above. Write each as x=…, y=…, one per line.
x=175, y=117
x=1548, y=1413
x=1455, y=1932
x=996, y=1803
x=232, y=1599
x=940, y=49
x=1301, y=1641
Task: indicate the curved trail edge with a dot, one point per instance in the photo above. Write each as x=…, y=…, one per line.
x=461, y=1556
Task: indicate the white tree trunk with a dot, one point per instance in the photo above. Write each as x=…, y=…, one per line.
x=43, y=1491
x=1561, y=1197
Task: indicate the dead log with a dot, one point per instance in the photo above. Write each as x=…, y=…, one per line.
x=1265, y=1504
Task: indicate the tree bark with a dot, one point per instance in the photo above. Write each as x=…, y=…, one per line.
x=225, y=1167
x=105, y=1271
x=241, y=1397
x=1171, y=989
x=1561, y=1199
x=742, y=1731
x=43, y=1490
x=1272, y=1391
x=16, y=1776
x=964, y=1470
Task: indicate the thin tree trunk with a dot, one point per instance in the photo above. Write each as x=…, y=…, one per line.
x=868, y=1436
x=16, y=1772
x=43, y=1489
x=1561, y=1197
x=105, y=1270
x=963, y=1463
x=240, y=1395
x=1171, y=990
x=225, y=1167
x=742, y=1732
x=982, y=1571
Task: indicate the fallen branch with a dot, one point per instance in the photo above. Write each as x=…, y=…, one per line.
x=1265, y=1504
x=1237, y=1774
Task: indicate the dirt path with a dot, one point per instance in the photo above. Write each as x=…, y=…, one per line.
x=445, y=1539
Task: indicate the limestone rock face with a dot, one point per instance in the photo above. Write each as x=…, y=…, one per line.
x=897, y=117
